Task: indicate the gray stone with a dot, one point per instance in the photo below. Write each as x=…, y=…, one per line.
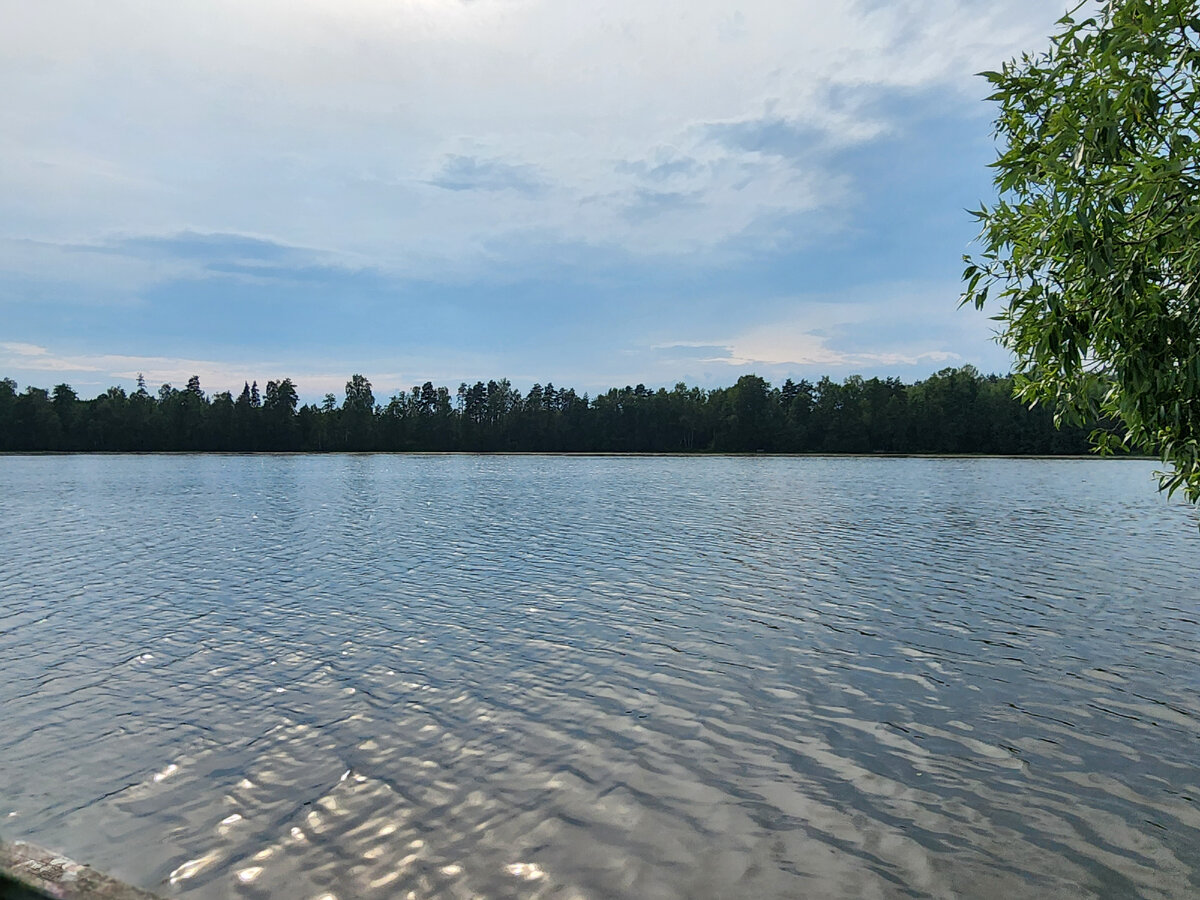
x=28, y=872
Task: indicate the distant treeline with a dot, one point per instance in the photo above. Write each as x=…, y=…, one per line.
x=954, y=411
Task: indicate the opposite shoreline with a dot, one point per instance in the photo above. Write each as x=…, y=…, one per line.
x=587, y=454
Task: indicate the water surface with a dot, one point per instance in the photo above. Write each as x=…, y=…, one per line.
x=390, y=676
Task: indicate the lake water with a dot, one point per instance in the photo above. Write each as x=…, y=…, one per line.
x=423, y=676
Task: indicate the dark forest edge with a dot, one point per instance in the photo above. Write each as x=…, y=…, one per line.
x=954, y=411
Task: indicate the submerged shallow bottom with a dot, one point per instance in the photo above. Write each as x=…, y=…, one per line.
x=648, y=678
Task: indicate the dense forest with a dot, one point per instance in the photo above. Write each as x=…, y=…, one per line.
x=954, y=411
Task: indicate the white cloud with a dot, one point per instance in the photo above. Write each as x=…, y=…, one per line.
x=893, y=325
x=320, y=123
x=24, y=357
x=34, y=364
x=792, y=346
x=24, y=351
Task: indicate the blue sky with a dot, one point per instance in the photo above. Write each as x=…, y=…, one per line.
x=453, y=190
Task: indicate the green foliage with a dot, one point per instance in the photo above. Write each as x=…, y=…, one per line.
x=357, y=415
x=1093, y=245
x=359, y=398
x=954, y=411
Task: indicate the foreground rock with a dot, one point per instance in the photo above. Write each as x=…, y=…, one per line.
x=28, y=872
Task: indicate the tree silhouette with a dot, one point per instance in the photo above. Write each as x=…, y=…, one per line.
x=952, y=411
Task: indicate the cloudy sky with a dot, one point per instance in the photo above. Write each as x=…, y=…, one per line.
x=593, y=194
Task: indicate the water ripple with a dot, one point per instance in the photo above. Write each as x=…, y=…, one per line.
x=373, y=676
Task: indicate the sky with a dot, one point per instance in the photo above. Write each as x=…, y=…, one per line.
x=589, y=194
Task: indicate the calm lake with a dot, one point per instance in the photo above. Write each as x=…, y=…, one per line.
x=424, y=676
